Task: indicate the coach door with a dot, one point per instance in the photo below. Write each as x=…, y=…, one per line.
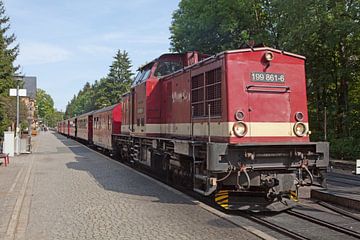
x=76, y=127
x=269, y=110
x=90, y=128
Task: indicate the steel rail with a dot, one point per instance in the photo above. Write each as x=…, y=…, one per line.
x=324, y=223
x=339, y=210
x=275, y=227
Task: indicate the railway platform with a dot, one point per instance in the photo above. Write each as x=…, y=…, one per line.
x=343, y=186
x=64, y=190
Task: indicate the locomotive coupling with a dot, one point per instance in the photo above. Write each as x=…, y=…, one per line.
x=269, y=182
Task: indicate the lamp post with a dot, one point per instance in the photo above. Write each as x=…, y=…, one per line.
x=18, y=93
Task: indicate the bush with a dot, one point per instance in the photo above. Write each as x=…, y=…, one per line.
x=345, y=148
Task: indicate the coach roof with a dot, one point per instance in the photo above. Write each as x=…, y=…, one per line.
x=106, y=109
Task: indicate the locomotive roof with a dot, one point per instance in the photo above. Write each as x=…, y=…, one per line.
x=105, y=109
x=156, y=59
x=262, y=49
x=235, y=51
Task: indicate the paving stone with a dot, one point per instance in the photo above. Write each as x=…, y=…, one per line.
x=79, y=194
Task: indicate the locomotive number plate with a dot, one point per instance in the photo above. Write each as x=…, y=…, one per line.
x=267, y=77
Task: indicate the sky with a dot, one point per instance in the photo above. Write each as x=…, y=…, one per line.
x=68, y=43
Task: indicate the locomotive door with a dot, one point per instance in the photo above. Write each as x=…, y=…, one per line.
x=132, y=110
x=269, y=111
x=166, y=109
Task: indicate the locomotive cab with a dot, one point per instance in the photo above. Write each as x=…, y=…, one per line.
x=146, y=95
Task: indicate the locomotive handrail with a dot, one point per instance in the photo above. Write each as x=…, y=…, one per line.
x=285, y=89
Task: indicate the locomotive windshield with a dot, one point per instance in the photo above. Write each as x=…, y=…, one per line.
x=142, y=75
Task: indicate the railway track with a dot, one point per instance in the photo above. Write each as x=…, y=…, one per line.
x=324, y=223
x=339, y=210
x=279, y=229
x=259, y=219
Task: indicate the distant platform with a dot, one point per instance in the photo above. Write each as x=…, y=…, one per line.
x=343, y=190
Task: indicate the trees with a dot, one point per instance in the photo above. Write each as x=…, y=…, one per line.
x=327, y=32
x=8, y=53
x=46, y=110
x=105, y=92
x=119, y=79
x=211, y=26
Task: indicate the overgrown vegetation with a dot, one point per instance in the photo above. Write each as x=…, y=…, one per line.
x=327, y=32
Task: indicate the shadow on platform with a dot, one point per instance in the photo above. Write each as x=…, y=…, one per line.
x=117, y=177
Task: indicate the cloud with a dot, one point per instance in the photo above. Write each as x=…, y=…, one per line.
x=94, y=49
x=136, y=38
x=37, y=53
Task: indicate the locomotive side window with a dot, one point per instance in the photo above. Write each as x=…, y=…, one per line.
x=205, y=90
x=165, y=68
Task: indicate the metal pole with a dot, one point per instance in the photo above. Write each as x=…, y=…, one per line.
x=209, y=122
x=325, y=124
x=17, y=121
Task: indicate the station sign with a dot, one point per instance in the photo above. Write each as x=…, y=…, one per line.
x=22, y=92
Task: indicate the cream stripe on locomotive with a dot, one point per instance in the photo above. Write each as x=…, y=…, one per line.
x=218, y=129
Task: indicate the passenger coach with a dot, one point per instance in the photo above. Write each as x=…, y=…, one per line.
x=106, y=122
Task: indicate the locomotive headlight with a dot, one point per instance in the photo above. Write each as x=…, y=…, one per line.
x=239, y=115
x=299, y=116
x=269, y=56
x=300, y=129
x=240, y=129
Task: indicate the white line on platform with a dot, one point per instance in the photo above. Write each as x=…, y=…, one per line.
x=216, y=212
x=13, y=223
x=15, y=181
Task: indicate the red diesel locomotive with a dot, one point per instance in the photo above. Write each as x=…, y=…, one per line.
x=233, y=125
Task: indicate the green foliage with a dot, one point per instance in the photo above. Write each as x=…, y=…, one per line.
x=45, y=109
x=211, y=26
x=8, y=53
x=345, y=148
x=327, y=32
x=105, y=92
x=8, y=106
